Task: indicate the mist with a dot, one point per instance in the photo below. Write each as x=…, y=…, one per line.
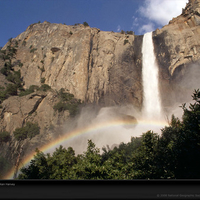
x=116, y=124
x=95, y=116
x=186, y=81
x=117, y=132
x=110, y=126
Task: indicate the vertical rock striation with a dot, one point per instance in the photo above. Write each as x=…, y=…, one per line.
x=93, y=65
x=97, y=67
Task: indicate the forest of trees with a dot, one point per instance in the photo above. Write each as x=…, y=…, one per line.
x=175, y=154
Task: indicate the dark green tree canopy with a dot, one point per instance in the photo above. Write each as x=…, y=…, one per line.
x=175, y=154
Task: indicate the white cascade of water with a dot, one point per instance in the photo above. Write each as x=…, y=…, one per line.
x=151, y=97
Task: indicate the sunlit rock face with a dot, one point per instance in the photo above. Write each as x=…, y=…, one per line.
x=95, y=66
x=103, y=69
x=177, y=46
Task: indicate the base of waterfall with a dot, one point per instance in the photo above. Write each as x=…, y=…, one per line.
x=110, y=127
x=145, y=125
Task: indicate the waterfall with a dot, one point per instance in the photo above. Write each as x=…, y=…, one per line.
x=151, y=98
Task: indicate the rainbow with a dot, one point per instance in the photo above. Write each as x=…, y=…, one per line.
x=84, y=130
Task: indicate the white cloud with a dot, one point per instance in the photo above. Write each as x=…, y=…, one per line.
x=118, y=28
x=147, y=28
x=162, y=11
x=135, y=21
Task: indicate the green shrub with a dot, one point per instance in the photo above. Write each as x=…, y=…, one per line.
x=3, y=95
x=20, y=64
x=33, y=87
x=45, y=87
x=2, y=56
x=3, y=51
x=125, y=42
x=70, y=33
x=10, y=40
x=20, y=134
x=60, y=106
x=11, y=51
x=7, y=57
x=85, y=24
x=42, y=80
x=67, y=102
x=8, y=65
x=33, y=50
x=25, y=92
x=16, y=44
x=130, y=32
x=7, y=68
x=14, y=77
x=65, y=96
x=4, y=71
x=4, y=137
x=30, y=130
x=28, y=91
x=73, y=109
x=11, y=89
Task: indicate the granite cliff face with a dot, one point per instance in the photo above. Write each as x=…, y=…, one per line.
x=86, y=61
x=177, y=46
x=97, y=67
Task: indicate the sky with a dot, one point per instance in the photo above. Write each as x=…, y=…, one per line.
x=139, y=16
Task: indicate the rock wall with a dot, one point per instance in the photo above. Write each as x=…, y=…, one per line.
x=97, y=67
x=86, y=61
x=177, y=47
